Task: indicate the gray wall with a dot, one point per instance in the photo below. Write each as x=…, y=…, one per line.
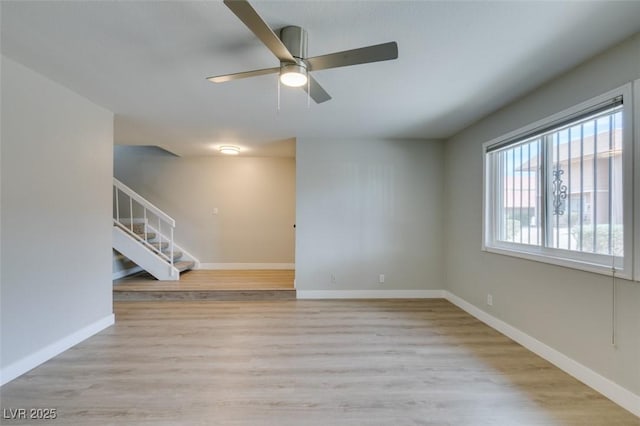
x=56, y=168
x=369, y=207
x=567, y=309
x=255, y=198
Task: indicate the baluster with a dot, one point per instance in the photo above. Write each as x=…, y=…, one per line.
x=171, y=242
x=117, y=205
x=160, y=236
x=131, y=213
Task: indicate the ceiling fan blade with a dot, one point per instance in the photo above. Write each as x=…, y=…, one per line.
x=239, y=75
x=248, y=15
x=317, y=93
x=363, y=55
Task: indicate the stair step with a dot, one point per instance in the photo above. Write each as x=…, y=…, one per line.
x=161, y=246
x=150, y=235
x=164, y=247
x=176, y=255
x=138, y=228
x=219, y=295
x=184, y=265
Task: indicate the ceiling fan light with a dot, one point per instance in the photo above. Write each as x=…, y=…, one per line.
x=229, y=150
x=293, y=75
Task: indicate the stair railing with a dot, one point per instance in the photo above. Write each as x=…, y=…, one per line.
x=130, y=209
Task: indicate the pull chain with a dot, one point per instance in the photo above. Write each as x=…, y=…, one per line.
x=613, y=306
x=278, y=110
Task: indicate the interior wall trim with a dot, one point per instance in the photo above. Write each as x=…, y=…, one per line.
x=618, y=394
x=30, y=362
x=370, y=294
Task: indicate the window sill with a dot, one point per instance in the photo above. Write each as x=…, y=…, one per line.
x=595, y=268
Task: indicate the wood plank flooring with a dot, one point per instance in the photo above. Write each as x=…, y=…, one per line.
x=340, y=362
x=209, y=285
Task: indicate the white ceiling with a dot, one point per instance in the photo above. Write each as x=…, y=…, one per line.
x=458, y=61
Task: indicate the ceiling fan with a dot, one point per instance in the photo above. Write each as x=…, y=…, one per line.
x=291, y=50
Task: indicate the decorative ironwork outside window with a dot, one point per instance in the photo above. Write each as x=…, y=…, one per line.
x=559, y=192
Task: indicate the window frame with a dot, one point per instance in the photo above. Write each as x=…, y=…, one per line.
x=636, y=177
x=569, y=258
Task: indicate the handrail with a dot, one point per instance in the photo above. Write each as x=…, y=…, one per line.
x=147, y=207
x=147, y=204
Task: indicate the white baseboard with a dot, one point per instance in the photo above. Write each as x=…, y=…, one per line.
x=30, y=362
x=246, y=266
x=125, y=272
x=369, y=294
x=606, y=387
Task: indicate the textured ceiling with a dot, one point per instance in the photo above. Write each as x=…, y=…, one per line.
x=458, y=61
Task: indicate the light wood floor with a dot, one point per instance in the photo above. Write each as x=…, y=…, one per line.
x=367, y=362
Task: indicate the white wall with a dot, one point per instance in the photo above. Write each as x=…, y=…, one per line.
x=56, y=167
x=566, y=309
x=369, y=207
x=255, y=198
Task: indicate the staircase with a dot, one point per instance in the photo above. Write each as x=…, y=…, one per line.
x=144, y=234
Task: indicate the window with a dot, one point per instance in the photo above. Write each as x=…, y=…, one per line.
x=559, y=190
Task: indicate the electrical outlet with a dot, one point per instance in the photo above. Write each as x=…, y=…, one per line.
x=333, y=279
x=381, y=279
x=490, y=299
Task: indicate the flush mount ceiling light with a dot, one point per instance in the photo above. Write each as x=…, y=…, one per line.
x=293, y=75
x=229, y=150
